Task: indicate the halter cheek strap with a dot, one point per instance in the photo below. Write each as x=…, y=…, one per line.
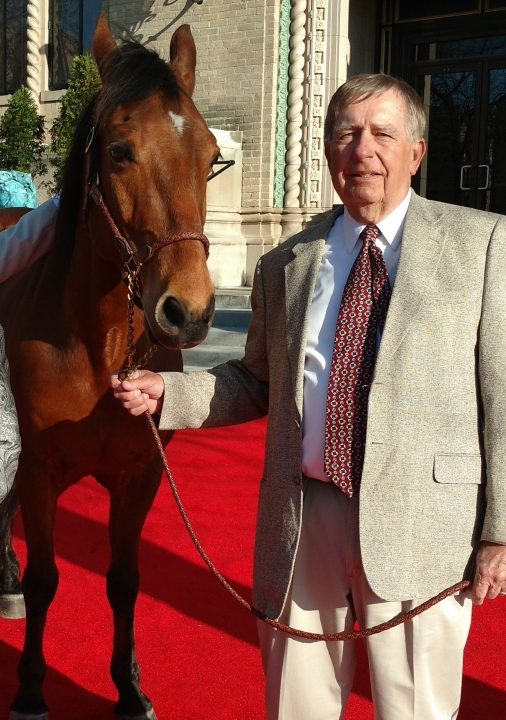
x=133, y=261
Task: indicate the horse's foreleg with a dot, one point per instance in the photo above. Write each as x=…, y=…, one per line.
x=40, y=581
x=129, y=508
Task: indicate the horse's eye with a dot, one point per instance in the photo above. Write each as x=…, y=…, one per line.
x=118, y=153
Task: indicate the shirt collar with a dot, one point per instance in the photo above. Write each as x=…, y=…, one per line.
x=390, y=227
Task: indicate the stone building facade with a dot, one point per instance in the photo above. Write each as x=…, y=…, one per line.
x=266, y=70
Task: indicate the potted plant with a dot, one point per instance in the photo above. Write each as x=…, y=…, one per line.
x=84, y=83
x=21, y=150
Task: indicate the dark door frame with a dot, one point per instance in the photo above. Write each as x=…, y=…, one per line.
x=404, y=36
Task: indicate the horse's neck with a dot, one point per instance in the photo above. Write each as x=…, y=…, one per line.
x=96, y=298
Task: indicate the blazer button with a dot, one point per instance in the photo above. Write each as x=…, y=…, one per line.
x=297, y=424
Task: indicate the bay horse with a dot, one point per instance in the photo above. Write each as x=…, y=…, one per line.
x=65, y=323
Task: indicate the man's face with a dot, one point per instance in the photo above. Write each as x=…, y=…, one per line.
x=371, y=159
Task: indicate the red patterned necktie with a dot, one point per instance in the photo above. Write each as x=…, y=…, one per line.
x=363, y=310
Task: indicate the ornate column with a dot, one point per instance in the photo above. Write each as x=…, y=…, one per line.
x=33, y=48
x=281, y=102
x=295, y=104
x=315, y=104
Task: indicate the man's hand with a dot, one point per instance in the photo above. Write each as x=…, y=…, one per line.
x=143, y=391
x=490, y=576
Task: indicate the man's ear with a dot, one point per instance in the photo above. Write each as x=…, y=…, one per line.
x=327, y=152
x=419, y=149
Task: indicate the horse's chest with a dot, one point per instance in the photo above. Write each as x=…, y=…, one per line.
x=75, y=427
x=94, y=446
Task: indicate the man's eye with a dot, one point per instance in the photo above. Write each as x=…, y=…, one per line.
x=118, y=153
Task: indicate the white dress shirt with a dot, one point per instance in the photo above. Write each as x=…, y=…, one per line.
x=341, y=249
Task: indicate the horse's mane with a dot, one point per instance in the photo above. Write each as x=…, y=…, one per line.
x=131, y=73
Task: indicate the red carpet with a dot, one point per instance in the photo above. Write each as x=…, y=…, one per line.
x=197, y=648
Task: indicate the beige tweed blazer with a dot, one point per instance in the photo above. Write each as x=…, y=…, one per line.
x=434, y=478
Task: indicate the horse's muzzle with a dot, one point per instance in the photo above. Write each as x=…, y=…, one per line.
x=175, y=326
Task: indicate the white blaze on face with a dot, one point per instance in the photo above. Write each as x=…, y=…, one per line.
x=178, y=121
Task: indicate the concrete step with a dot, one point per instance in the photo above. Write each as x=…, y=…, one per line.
x=233, y=337
x=221, y=344
x=207, y=357
x=232, y=317
x=238, y=297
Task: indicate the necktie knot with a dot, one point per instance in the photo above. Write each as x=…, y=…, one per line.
x=369, y=235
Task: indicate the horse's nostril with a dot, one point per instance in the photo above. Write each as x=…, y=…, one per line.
x=175, y=312
x=208, y=313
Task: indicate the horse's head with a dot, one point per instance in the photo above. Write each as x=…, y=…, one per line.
x=154, y=153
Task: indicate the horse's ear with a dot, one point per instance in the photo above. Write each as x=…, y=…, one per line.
x=103, y=41
x=183, y=57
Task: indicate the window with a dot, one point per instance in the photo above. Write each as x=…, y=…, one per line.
x=417, y=9
x=12, y=45
x=70, y=34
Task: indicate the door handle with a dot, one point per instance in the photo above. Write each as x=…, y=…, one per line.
x=484, y=187
x=462, y=170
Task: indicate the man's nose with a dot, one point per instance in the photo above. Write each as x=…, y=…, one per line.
x=363, y=146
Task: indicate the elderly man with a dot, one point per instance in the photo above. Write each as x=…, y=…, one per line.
x=377, y=348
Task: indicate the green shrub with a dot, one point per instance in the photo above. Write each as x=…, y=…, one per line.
x=84, y=83
x=22, y=135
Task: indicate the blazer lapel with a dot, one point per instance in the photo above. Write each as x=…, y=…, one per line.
x=301, y=272
x=422, y=246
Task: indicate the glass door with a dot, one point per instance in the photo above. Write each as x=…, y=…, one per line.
x=450, y=99
x=465, y=104
x=491, y=189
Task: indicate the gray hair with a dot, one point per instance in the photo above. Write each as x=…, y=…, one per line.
x=364, y=86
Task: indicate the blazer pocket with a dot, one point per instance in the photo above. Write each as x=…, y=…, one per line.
x=459, y=469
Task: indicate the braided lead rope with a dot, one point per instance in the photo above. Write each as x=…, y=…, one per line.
x=355, y=635
x=131, y=367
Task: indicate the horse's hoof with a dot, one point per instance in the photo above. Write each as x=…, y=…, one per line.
x=22, y=716
x=13, y=608
x=148, y=715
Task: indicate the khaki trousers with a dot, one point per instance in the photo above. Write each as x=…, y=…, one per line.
x=415, y=668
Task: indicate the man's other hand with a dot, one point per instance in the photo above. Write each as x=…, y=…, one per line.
x=490, y=576
x=143, y=391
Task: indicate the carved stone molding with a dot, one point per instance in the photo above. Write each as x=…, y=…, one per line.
x=295, y=118
x=33, y=48
x=281, y=102
x=315, y=104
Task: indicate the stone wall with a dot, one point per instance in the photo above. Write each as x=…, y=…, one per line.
x=236, y=70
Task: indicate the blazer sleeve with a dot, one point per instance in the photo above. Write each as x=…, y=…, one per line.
x=230, y=393
x=27, y=240
x=10, y=444
x=492, y=376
